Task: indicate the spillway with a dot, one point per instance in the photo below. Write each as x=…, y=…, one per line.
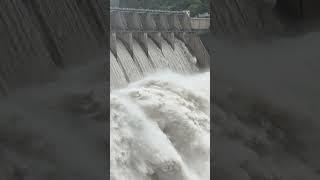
x=131, y=66
x=117, y=77
x=144, y=42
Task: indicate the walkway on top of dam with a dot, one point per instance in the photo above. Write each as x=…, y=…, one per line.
x=147, y=20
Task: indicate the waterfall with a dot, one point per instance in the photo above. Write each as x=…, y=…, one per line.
x=142, y=58
x=117, y=77
x=130, y=67
x=160, y=128
x=136, y=64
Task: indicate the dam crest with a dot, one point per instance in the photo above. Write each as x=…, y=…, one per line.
x=144, y=41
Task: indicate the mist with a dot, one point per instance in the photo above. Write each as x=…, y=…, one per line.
x=160, y=128
x=266, y=101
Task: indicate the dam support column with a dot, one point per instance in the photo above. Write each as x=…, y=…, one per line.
x=156, y=37
x=117, y=21
x=113, y=44
x=174, y=22
x=199, y=51
x=126, y=38
x=148, y=22
x=133, y=21
x=182, y=36
x=185, y=22
x=163, y=23
x=142, y=38
x=170, y=38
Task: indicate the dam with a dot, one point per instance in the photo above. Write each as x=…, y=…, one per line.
x=160, y=96
x=144, y=41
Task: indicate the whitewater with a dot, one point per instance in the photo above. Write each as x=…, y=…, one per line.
x=160, y=128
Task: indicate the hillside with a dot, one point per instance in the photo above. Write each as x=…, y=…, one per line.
x=194, y=6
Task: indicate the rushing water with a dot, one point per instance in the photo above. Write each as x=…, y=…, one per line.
x=129, y=66
x=160, y=128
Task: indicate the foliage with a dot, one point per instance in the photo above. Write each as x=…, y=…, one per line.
x=195, y=6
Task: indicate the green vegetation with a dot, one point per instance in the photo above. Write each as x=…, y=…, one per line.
x=195, y=6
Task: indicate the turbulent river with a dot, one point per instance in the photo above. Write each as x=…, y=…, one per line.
x=160, y=128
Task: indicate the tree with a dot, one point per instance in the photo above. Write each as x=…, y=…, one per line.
x=195, y=6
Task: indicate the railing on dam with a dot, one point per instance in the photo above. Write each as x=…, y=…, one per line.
x=150, y=11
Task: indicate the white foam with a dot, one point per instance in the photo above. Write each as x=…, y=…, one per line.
x=160, y=128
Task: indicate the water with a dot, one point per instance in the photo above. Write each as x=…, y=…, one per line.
x=142, y=58
x=131, y=66
x=131, y=69
x=117, y=76
x=160, y=128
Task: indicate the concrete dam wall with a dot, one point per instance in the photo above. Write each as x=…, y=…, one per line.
x=41, y=37
x=144, y=41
